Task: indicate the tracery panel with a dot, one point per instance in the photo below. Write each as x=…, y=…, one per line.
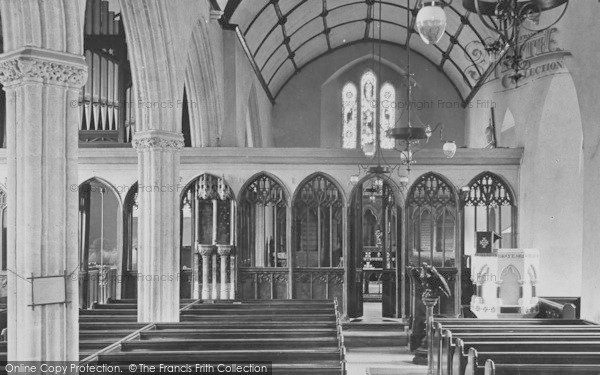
x=318, y=224
x=489, y=205
x=432, y=210
x=263, y=208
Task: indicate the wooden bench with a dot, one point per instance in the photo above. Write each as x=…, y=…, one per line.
x=443, y=344
x=449, y=345
x=564, y=361
x=461, y=354
x=539, y=369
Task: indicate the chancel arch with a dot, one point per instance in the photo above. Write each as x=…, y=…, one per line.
x=375, y=246
x=207, y=236
x=489, y=206
x=432, y=214
x=263, y=239
x=100, y=220
x=318, y=212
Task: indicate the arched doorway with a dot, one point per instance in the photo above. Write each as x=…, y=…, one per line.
x=100, y=239
x=375, y=239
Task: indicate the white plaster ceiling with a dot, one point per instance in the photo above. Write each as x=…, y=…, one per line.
x=283, y=36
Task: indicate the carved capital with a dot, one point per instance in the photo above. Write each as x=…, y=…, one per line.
x=224, y=250
x=39, y=65
x=206, y=250
x=157, y=140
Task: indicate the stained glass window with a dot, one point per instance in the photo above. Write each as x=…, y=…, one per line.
x=368, y=104
x=387, y=114
x=349, y=104
x=373, y=111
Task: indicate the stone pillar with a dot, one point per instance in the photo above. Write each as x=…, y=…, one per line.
x=224, y=251
x=215, y=280
x=232, y=275
x=206, y=252
x=158, y=228
x=42, y=89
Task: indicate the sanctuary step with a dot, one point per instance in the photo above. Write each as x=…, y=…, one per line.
x=374, y=334
x=298, y=337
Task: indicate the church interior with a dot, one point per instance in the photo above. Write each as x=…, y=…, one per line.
x=320, y=186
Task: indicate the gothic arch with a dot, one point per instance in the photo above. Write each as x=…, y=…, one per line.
x=326, y=176
x=154, y=64
x=205, y=95
x=56, y=25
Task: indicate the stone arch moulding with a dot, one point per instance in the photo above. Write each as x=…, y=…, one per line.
x=204, y=94
x=109, y=185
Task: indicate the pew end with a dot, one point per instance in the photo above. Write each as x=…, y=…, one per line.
x=490, y=367
x=472, y=360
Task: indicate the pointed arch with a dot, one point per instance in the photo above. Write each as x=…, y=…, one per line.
x=130, y=242
x=433, y=239
x=100, y=237
x=317, y=226
x=253, y=131
x=205, y=94
x=263, y=216
x=490, y=205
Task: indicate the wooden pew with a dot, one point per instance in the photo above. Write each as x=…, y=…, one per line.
x=565, y=361
x=495, y=325
x=461, y=354
x=449, y=346
x=539, y=369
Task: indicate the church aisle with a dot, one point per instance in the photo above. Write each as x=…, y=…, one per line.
x=382, y=361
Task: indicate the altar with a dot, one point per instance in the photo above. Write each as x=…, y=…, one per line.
x=505, y=282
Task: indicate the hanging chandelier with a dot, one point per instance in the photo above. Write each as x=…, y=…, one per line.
x=408, y=137
x=507, y=19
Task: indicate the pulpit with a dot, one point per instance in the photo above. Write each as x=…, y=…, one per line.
x=505, y=283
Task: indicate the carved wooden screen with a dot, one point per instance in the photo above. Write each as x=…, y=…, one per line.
x=130, y=226
x=432, y=213
x=489, y=206
x=206, y=215
x=130, y=243
x=263, y=216
x=106, y=99
x=318, y=224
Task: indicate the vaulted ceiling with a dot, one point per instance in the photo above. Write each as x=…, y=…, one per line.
x=282, y=36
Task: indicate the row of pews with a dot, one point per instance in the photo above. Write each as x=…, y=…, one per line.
x=520, y=346
x=297, y=337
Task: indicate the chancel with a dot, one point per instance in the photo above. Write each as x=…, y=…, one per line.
x=218, y=182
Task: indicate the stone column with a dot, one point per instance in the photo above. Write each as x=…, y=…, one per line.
x=232, y=275
x=158, y=229
x=224, y=251
x=206, y=251
x=215, y=280
x=42, y=89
